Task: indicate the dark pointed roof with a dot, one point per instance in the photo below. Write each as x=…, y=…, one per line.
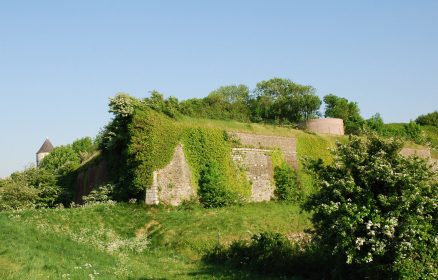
x=47, y=147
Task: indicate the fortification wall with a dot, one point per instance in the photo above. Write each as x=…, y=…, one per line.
x=287, y=145
x=94, y=174
x=326, y=126
x=423, y=153
x=172, y=184
x=258, y=164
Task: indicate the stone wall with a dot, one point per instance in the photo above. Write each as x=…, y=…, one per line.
x=94, y=174
x=423, y=153
x=326, y=126
x=172, y=184
x=258, y=165
x=286, y=144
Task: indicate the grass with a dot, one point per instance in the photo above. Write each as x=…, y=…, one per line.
x=78, y=243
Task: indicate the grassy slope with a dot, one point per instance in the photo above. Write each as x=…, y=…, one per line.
x=51, y=243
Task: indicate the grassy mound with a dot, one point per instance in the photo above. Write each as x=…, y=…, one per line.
x=128, y=241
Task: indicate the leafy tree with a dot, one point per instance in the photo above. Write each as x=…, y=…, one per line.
x=115, y=135
x=61, y=161
x=428, y=119
x=376, y=212
x=84, y=147
x=283, y=100
x=338, y=107
x=226, y=102
x=375, y=123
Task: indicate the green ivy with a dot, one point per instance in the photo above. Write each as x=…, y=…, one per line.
x=153, y=138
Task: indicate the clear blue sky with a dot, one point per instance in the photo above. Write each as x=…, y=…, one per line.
x=60, y=61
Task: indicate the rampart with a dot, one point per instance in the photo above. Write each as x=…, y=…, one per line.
x=326, y=126
x=287, y=145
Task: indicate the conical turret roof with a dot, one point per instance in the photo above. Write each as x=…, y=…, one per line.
x=47, y=147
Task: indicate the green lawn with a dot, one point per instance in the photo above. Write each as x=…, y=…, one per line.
x=132, y=241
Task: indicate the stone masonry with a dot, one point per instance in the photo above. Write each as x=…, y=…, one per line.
x=172, y=184
x=258, y=165
x=286, y=144
x=256, y=160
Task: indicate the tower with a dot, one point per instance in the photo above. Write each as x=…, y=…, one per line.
x=45, y=149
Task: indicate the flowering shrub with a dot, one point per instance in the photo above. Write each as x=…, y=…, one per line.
x=376, y=211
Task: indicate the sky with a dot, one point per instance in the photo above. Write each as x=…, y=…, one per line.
x=60, y=61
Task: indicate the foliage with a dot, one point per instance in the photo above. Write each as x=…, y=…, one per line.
x=270, y=253
x=84, y=147
x=38, y=185
x=169, y=106
x=226, y=102
x=209, y=150
x=284, y=101
x=101, y=194
x=428, y=119
x=114, y=136
x=338, y=107
x=212, y=190
x=408, y=131
x=287, y=185
x=376, y=211
x=61, y=160
x=17, y=196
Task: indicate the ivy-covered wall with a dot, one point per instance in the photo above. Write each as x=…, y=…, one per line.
x=154, y=137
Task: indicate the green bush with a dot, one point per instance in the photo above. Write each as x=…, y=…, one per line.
x=272, y=254
x=287, y=185
x=208, y=148
x=212, y=190
x=375, y=211
x=17, y=196
x=35, y=180
x=101, y=194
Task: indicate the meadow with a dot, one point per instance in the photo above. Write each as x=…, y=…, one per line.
x=131, y=241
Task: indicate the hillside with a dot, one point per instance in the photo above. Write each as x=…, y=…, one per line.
x=109, y=241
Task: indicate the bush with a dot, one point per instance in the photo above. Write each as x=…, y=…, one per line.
x=101, y=194
x=35, y=180
x=212, y=190
x=287, y=186
x=17, y=196
x=375, y=211
x=272, y=254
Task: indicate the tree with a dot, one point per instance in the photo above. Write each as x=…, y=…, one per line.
x=61, y=161
x=338, y=107
x=377, y=212
x=428, y=119
x=283, y=100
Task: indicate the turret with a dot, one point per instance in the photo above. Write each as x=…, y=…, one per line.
x=45, y=149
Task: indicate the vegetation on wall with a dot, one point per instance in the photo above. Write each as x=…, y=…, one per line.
x=208, y=151
x=152, y=141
